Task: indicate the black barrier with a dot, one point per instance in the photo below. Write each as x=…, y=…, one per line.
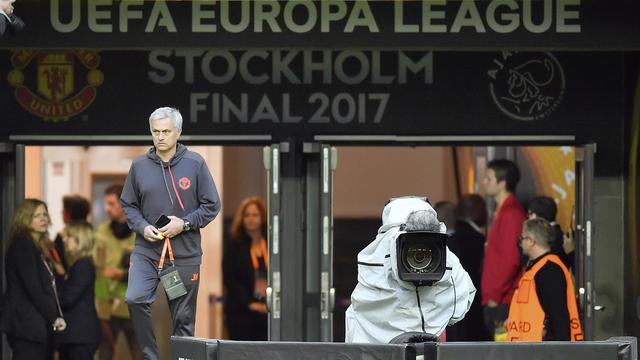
x=200, y=349
x=183, y=348
x=551, y=350
x=628, y=349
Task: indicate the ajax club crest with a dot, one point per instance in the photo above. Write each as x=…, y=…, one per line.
x=55, y=85
x=526, y=86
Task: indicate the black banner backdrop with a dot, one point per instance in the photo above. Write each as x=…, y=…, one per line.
x=293, y=92
x=437, y=24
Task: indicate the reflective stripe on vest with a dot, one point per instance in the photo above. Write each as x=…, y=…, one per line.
x=526, y=317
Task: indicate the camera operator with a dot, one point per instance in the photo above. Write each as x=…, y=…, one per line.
x=383, y=305
x=9, y=20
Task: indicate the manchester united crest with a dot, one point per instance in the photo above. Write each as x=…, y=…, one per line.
x=55, y=85
x=184, y=183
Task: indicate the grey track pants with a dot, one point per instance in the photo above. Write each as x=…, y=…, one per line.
x=141, y=293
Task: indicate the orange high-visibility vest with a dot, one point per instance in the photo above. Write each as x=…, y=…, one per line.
x=526, y=317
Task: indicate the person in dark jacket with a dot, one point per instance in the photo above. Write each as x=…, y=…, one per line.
x=468, y=244
x=30, y=314
x=245, y=263
x=172, y=181
x=9, y=21
x=75, y=210
x=6, y=10
x=447, y=213
x=81, y=338
x=546, y=208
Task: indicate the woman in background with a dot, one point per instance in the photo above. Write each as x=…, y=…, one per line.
x=245, y=263
x=76, y=291
x=30, y=313
x=468, y=244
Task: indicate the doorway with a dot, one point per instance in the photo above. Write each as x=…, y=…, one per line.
x=52, y=171
x=367, y=176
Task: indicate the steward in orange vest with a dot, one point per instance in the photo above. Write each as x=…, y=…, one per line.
x=544, y=305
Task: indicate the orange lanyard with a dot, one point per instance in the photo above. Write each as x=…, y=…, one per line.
x=167, y=245
x=254, y=255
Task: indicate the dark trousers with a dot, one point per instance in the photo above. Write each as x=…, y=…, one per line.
x=111, y=329
x=30, y=350
x=495, y=316
x=141, y=293
x=472, y=327
x=77, y=351
x=247, y=326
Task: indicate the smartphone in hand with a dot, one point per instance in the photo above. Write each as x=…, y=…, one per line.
x=162, y=221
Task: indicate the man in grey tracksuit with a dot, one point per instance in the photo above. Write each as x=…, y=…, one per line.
x=173, y=181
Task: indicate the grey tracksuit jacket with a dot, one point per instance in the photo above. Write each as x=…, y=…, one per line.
x=150, y=191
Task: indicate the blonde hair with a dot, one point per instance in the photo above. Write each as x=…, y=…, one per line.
x=83, y=233
x=22, y=220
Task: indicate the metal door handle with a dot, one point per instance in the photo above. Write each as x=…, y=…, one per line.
x=269, y=298
x=332, y=299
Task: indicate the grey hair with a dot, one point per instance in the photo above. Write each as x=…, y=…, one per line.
x=167, y=112
x=540, y=230
x=422, y=220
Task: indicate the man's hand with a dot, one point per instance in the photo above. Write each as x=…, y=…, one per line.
x=568, y=245
x=492, y=303
x=173, y=228
x=113, y=273
x=59, y=324
x=258, y=307
x=152, y=234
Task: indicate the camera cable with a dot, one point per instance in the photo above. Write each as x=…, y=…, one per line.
x=453, y=283
x=420, y=308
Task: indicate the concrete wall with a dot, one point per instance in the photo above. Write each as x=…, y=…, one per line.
x=608, y=247
x=366, y=177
